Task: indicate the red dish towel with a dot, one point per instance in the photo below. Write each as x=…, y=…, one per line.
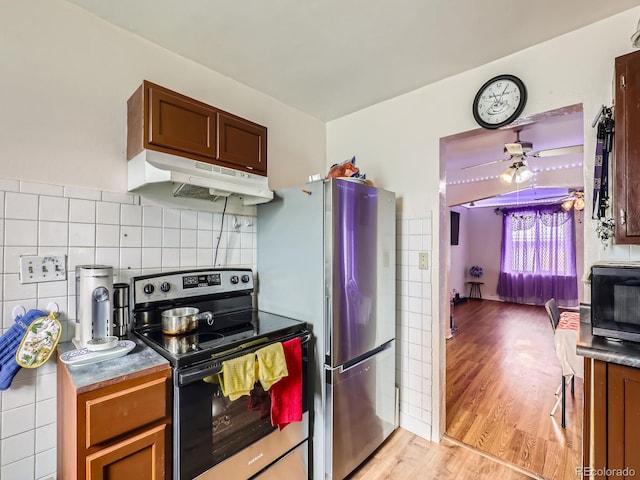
x=286, y=394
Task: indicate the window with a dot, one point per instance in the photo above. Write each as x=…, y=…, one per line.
x=538, y=256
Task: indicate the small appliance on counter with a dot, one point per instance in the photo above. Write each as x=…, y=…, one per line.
x=615, y=300
x=94, y=311
x=120, y=309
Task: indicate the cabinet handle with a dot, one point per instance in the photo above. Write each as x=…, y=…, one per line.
x=623, y=217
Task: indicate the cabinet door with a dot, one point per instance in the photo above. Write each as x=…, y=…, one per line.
x=627, y=149
x=141, y=457
x=623, y=426
x=242, y=143
x=179, y=123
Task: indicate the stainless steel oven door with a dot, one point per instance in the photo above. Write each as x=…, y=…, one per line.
x=217, y=437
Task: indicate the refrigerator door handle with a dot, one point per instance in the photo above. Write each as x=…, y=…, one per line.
x=327, y=326
x=363, y=358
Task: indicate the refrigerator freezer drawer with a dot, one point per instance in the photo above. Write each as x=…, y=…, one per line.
x=360, y=411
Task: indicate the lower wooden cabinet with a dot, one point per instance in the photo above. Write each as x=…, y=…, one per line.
x=141, y=457
x=116, y=429
x=611, y=421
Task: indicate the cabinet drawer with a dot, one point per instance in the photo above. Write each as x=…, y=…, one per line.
x=141, y=456
x=123, y=411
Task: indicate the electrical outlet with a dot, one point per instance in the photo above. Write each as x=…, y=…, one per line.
x=46, y=268
x=423, y=260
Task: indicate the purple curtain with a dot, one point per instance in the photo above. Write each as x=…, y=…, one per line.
x=538, y=256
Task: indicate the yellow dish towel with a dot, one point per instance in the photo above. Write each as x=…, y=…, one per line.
x=238, y=376
x=272, y=366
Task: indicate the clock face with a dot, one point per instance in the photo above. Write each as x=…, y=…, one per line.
x=499, y=101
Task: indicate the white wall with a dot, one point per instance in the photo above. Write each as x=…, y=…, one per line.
x=66, y=77
x=403, y=156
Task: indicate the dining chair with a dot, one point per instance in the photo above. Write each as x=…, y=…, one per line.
x=554, y=317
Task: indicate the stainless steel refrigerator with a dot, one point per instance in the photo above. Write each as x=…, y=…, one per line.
x=326, y=255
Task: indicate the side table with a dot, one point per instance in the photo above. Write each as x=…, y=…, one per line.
x=474, y=292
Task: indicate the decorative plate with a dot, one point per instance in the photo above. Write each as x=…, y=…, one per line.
x=84, y=356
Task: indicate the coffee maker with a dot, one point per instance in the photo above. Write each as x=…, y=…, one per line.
x=94, y=311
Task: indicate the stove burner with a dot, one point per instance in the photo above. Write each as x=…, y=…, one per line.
x=179, y=344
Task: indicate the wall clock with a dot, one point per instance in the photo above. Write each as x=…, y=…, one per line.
x=499, y=101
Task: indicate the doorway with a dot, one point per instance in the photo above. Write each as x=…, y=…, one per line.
x=473, y=162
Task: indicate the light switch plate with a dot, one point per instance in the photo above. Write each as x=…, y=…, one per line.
x=423, y=260
x=44, y=268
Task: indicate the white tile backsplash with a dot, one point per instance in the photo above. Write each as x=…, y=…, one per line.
x=45, y=464
x=131, y=215
x=205, y=239
x=82, y=234
x=45, y=437
x=171, y=218
x=18, y=447
x=21, y=393
x=188, y=238
x=171, y=237
x=205, y=221
x=20, y=470
x=82, y=211
x=20, y=233
x=188, y=219
x=45, y=412
x=54, y=209
x=151, y=237
x=22, y=206
x=130, y=236
x=17, y=420
x=151, y=216
x=88, y=226
x=108, y=213
x=107, y=235
x=53, y=234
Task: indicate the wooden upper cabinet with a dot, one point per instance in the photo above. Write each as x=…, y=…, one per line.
x=166, y=121
x=627, y=149
x=179, y=123
x=242, y=142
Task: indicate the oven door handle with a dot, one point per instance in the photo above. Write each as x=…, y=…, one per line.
x=195, y=374
x=185, y=378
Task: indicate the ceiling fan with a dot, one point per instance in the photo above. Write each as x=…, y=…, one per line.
x=520, y=151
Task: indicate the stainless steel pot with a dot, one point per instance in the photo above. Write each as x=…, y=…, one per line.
x=177, y=321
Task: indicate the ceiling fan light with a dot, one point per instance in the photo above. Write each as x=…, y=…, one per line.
x=579, y=204
x=508, y=174
x=523, y=174
x=567, y=204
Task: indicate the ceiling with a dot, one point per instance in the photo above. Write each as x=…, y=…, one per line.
x=329, y=58
x=476, y=158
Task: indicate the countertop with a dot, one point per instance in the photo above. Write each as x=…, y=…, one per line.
x=142, y=360
x=600, y=348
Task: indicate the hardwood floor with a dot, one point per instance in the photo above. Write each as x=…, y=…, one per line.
x=405, y=456
x=502, y=373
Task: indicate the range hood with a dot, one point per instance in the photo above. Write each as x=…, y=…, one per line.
x=193, y=179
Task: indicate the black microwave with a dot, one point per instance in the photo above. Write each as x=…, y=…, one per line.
x=615, y=301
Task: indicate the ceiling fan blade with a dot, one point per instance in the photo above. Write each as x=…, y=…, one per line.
x=552, y=152
x=513, y=148
x=483, y=164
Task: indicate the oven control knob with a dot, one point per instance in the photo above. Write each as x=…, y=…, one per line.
x=234, y=279
x=165, y=287
x=148, y=289
x=245, y=278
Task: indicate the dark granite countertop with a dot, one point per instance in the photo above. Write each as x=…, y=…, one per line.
x=600, y=348
x=141, y=360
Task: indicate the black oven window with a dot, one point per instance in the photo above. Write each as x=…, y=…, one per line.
x=214, y=427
